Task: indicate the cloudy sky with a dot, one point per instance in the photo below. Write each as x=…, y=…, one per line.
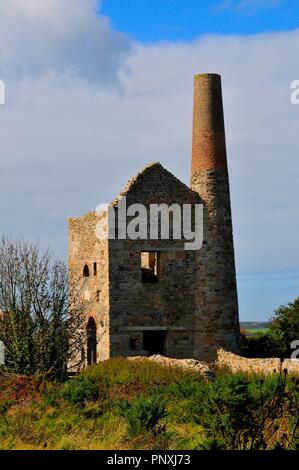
x=95, y=91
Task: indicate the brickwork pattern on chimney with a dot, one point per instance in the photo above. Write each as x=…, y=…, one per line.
x=216, y=318
x=208, y=140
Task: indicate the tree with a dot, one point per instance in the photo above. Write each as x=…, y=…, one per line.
x=41, y=324
x=259, y=345
x=284, y=326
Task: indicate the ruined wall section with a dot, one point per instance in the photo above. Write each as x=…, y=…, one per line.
x=166, y=305
x=85, y=249
x=266, y=366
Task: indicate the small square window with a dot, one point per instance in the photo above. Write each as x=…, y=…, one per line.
x=94, y=269
x=149, y=266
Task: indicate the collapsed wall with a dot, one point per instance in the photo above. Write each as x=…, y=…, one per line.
x=265, y=366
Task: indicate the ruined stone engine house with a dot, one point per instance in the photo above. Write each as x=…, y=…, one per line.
x=147, y=297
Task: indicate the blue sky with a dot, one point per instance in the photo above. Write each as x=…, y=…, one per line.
x=152, y=20
x=260, y=293
x=95, y=94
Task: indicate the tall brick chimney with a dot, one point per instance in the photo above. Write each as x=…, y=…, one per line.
x=216, y=318
x=208, y=143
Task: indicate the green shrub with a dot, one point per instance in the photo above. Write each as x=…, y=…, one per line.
x=79, y=390
x=186, y=388
x=240, y=412
x=4, y=407
x=260, y=345
x=144, y=414
x=50, y=393
x=276, y=341
x=284, y=326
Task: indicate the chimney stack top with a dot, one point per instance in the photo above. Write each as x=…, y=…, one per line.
x=208, y=143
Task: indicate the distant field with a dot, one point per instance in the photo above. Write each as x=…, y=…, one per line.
x=253, y=328
x=254, y=325
x=254, y=331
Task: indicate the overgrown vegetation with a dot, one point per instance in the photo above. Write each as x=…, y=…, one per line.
x=41, y=315
x=249, y=413
x=144, y=414
x=260, y=344
x=123, y=404
x=284, y=327
x=277, y=340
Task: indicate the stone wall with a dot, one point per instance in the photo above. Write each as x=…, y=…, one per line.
x=257, y=365
x=85, y=249
x=217, y=321
x=167, y=305
x=127, y=309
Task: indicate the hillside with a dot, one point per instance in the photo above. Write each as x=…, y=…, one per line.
x=254, y=325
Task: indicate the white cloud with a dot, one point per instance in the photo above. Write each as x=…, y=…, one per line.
x=59, y=36
x=68, y=143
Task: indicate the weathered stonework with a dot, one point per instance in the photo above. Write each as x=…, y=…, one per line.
x=166, y=305
x=84, y=250
x=216, y=318
x=217, y=322
x=266, y=366
x=191, y=308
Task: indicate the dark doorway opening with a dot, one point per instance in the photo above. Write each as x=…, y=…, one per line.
x=91, y=331
x=154, y=341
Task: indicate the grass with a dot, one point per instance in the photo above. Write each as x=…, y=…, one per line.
x=85, y=412
x=254, y=331
x=115, y=405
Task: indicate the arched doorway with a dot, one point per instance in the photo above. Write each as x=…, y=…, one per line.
x=91, y=330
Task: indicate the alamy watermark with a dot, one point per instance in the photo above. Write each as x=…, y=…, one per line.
x=2, y=92
x=295, y=346
x=295, y=92
x=156, y=222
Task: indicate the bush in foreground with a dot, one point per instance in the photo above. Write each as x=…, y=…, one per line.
x=144, y=414
x=80, y=390
x=241, y=412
